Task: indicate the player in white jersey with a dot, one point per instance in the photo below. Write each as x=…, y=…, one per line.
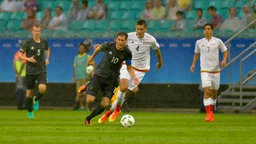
x=208, y=48
x=139, y=43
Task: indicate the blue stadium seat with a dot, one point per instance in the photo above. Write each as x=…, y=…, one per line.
x=191, y=14
x=5, y=16
x=128, y=25
x=166, y=25
x=115, y=15
x=216, y=3
x=224, y=13
x=75, y=26
x=125, y=6
x=129, y=15
x=88, y=25
x=114, y=26
x=240, y=3
x=114, y=6
x=101, y=26
x=17, y=16
x=203, y=4
x=137, y=6
x=227, y=4
x=153, y=25
x=3, y=28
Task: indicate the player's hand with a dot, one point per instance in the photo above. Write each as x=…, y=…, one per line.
x=192, y=68
x=31, y=59
x=46, y=62
x=159, y=65
x=136, y=80
x=96, y=46
x=223, y=63
x=90, y=59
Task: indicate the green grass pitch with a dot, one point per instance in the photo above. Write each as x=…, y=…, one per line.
x=61, y=127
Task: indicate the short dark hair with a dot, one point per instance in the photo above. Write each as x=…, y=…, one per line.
x=59, y=7
x=141, y=22
x=208, y=24
x=85, y=2
x=199, y=9
x=211, y=8
x=122, y=34
x=179, y=13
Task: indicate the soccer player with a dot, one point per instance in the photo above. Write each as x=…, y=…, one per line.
x=37, y=57
x=139, y=43
x=107, y=72
x=208, y=48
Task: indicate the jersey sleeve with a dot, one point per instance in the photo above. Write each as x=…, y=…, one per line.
x=155, y=45
x=46, y=45
x=104, y=46
x=24, y=46
x=197, y=50
x=222, y=46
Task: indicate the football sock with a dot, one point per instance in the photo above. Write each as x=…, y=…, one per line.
x=207, y=105
x=113, y=106
x=96, y=112
x=39, y=96
x=29, y=103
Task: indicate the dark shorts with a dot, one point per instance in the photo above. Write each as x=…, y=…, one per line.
x=103, y=85
x=31, y=80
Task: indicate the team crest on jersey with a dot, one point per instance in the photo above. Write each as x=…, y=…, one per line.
x=110, y=52
x=32, y=48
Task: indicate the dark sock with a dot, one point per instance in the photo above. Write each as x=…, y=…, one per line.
x=29, y=103
x=39, y=96
x=95, y=112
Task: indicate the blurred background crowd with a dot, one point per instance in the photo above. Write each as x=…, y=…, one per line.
x=103, y=18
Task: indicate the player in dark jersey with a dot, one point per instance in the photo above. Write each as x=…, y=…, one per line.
x=107, y=72
x=37, y=57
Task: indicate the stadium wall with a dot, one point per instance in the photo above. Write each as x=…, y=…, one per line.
x=177, y=57
x=149, y=96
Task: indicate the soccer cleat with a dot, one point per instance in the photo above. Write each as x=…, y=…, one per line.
x=87, y=122
x=114, y=115
x=209, y=117
x=35, y=104
x=81, y=89
x=102, y=119
x=30, y=115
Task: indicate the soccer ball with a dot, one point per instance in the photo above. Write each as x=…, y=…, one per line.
x=127, y=120
x=89, y=69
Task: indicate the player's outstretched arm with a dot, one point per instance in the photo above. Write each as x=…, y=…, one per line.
x=195, y=58
x=159, y=58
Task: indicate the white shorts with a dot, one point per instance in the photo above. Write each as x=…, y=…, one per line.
x=211, y=80
x=125, y=74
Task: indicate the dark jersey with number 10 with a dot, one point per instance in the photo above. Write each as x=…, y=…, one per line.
x=31, y=48
x=112, y=60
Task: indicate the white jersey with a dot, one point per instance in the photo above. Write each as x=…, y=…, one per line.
x=209, y=53
x=140, y=48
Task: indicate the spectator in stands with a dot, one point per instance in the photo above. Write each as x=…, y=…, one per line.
x=216, y=19
x=84, y=11
x=172, y=8
x=9, y=5
x=30, y=4
x=186, y=5
x=73, y=12
x=180, y=23
x=20, y=5
x=247, y=13
x=158, y=11
x=99, y=11
x=147, y=12
x=19, y=66
x=232, y=22
x=253, y=16
x=30, y=20
x=201, y=21
x=47, y=18
x=59, y=22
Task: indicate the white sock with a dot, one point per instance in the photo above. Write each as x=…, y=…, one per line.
x=207, y=101
x=120, y=97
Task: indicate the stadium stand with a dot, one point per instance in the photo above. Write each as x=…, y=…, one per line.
x=122, y=15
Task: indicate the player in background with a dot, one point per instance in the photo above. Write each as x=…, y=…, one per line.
x=208, y=48
x=37, y=57
x=107, y=73
x=139, y=43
